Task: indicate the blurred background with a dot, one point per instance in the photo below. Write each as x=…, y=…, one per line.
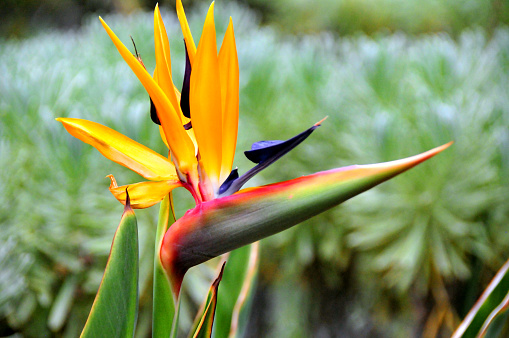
x=395, y=77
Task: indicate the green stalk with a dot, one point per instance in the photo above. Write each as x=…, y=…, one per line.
x=163, y=302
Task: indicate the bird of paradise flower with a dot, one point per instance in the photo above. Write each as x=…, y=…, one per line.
x=199, y=125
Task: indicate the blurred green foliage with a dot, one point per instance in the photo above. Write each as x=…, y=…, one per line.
x=408, y=257
x=20, y=18
x=371, y=16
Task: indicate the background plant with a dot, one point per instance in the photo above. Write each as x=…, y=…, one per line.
x=417, y=248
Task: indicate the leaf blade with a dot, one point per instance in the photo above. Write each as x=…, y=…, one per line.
x=493, y=302
x=202, y=326
x=115, y=307
x=236, y=285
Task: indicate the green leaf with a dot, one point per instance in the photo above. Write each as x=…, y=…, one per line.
x=62, y=304
x=493, y=302
x=115, y=307
x=163, y=302
x=176, y=317
x=202, y=326
x=234, y=291
x=242, y=308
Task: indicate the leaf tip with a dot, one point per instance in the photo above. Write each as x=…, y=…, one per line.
x=127, y=208
x=219, y=277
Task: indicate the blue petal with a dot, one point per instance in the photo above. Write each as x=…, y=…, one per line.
x=264, y=153
x=184, y=94
x=272, y=150
x=229, y=180
x=153, y=113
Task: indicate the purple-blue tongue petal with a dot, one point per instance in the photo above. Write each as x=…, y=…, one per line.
x=153, y=113
x=260, y=151
x=272, y=150
x=264, y=153
x=234, y=175
x=184, y=95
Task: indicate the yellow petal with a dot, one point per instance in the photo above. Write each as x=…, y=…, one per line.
x=163, y=61
x=205, y=101
x=188, y=38
x=180, y=144
x=143, y=194
x=229, y=72
x=121, y=149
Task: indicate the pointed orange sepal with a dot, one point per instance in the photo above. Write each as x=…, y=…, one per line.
x=143, y=194
x=188, y=37
x=163, y=60
x=205, y=102
x=121, y=149
x=229, y=73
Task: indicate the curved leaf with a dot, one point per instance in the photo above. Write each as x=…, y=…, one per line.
x=202, y=326
x=242, y=307
x=62, y=304
x=115, y=307
x=493, y=302
x=235, y=288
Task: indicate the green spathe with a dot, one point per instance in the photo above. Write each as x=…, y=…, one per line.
x=227, y=223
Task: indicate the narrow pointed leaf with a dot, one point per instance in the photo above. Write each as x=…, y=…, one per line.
x=176, y=319
x=493, y=302
x=163, y=302
x=235, y=289
x=242, y=309
x=227, y=223
x=115, y=307
x=121, y=149
x=202, y=327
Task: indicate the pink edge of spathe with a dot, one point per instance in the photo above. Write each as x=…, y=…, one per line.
x=170, y=253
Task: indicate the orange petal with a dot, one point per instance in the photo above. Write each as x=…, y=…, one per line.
x=205, y=101
x=121, y=149
x=163, y=137
x=163, y=61
x=188, y=38
x=143, y=194
x=180, y=144
x=229, y=72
